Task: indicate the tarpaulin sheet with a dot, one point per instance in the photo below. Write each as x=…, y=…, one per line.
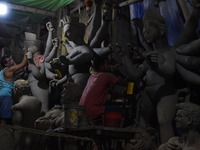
x=50, y=5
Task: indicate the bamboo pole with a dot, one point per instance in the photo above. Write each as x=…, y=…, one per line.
x=184, y=9
x=128, y=2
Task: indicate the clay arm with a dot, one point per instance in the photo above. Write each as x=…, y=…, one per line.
x=48, y=66
x=100, y=36
x=188, y=76
x=53, y=51
x=104, y=51
x=50, y=75
x=188, y=32
x=103, y=30
x=191, y=48
x=49, y=27
x=61, y=81
x=56, y=82
x=190, y=62
x=68, y=47
x=96, y=21
x=80, y=55
x=38, y=72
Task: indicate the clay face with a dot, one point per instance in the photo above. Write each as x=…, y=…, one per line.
x=151, y=32
x=44, y=122
x=181, y=120
x=21, y=87
x=33, y=49
x=70, y=32
x=143, y=140
x=52, y=114
x=32, y=46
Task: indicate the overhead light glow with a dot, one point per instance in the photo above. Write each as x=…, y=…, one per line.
x=3, y=9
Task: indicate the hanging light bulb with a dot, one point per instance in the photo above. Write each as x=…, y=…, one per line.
x=3, y=9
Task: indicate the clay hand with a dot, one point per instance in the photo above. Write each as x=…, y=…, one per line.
x=64, y=60
x=137, y=22
x=54, y=76
x=49, y=26
x=173, y=146
x=55, y=63
x=53, y=83
x=115, y=47
x=55, y=42
x=65, y=43
x=195, y=3
x=29, y=55
x=152, y=59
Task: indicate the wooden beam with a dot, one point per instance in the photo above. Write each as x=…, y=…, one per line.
x=16, y=23
x=30, y=9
